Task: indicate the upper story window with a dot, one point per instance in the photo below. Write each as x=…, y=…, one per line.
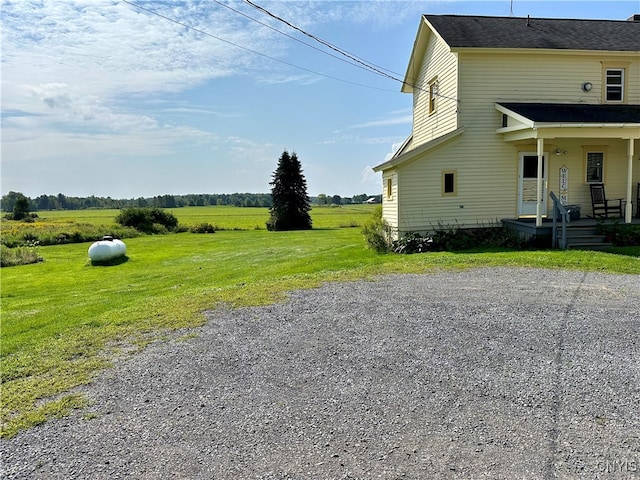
x=614, y=84
x=433, y=91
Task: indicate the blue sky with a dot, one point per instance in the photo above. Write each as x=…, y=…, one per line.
x=102, y=98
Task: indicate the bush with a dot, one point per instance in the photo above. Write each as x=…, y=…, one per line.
x=412, y=243
x=28, y=218
x=10, y=257
x=202, y=228
x=21, y=208
x=147, y=220
x=451, y=238
x=621, y=235
x=23, y=234
x=377, y=232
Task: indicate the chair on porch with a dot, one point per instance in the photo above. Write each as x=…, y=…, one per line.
x=602, y=206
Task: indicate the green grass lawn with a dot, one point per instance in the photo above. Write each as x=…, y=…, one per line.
x=64, y=319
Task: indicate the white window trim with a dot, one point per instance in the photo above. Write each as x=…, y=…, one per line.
x=433, y=94
x=454, y=193
x=586, y=165
x=621, y=85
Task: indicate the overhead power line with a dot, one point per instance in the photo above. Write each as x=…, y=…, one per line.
x=202, y=32
x=289, y=36
x=368, y=65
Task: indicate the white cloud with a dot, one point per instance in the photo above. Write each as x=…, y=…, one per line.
x=89, y=80
x=394, y=149
x=370, y=178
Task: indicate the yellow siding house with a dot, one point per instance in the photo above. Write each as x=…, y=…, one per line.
x=507, y=110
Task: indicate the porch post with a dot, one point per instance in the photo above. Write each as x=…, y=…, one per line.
x=628, y=211
x=539, y=184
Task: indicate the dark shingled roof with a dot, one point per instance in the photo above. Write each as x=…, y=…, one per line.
x=575, y=113
x=547, y=33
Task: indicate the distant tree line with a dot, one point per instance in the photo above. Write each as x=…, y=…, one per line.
x=324, y=199
x=64, y=202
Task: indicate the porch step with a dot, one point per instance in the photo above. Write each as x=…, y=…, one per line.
x=589, y=246
x=584, y=237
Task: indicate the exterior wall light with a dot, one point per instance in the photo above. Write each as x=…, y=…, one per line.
x=587, y=86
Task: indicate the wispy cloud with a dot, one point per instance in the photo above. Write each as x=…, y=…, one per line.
x=360, y=139
x=386, y=122
x=85, y=80
x=377, y=14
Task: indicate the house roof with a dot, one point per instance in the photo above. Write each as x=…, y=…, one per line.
x=543, y=33
x=575, y=113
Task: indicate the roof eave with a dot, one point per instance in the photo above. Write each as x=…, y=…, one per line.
x=607, y=130
x=538, y=125
x=416, y=152
x=548, y=51
x=516, y=116
x=425, y=30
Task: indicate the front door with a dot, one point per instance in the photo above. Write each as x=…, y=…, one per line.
x=528, y=184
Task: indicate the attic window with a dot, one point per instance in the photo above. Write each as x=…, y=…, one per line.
x=614, y=84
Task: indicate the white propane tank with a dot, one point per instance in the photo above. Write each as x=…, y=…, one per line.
x=107, y=249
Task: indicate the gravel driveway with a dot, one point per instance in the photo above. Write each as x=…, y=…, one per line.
x=487, y=373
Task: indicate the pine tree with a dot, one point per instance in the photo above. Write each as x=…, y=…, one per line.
x=21, y=208
x=290, y=202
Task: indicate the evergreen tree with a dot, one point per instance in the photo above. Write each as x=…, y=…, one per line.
x=290, y=202
x=21, y=208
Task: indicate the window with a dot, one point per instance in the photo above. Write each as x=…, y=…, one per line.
x=449, y=183
x=614, y=84
x=433, y=91
x=389, y=188
x=595, y=167
x=530, y=166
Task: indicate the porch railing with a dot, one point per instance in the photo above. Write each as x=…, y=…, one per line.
x=559, y=211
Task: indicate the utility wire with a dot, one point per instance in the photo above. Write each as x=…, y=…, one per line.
x=188, y=27
x=290, y=36
x=375, y=68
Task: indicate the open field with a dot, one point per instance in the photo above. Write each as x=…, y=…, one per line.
x=225, y=217
x=63, y=319
x=71, y=226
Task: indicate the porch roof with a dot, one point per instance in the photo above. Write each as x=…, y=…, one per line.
x=575, y=113
x=551, y=120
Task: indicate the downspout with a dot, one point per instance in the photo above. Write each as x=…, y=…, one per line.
x=539, y=182
x=628, y=211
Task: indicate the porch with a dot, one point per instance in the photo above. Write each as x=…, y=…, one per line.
x=592, y=143
x=580, y=233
